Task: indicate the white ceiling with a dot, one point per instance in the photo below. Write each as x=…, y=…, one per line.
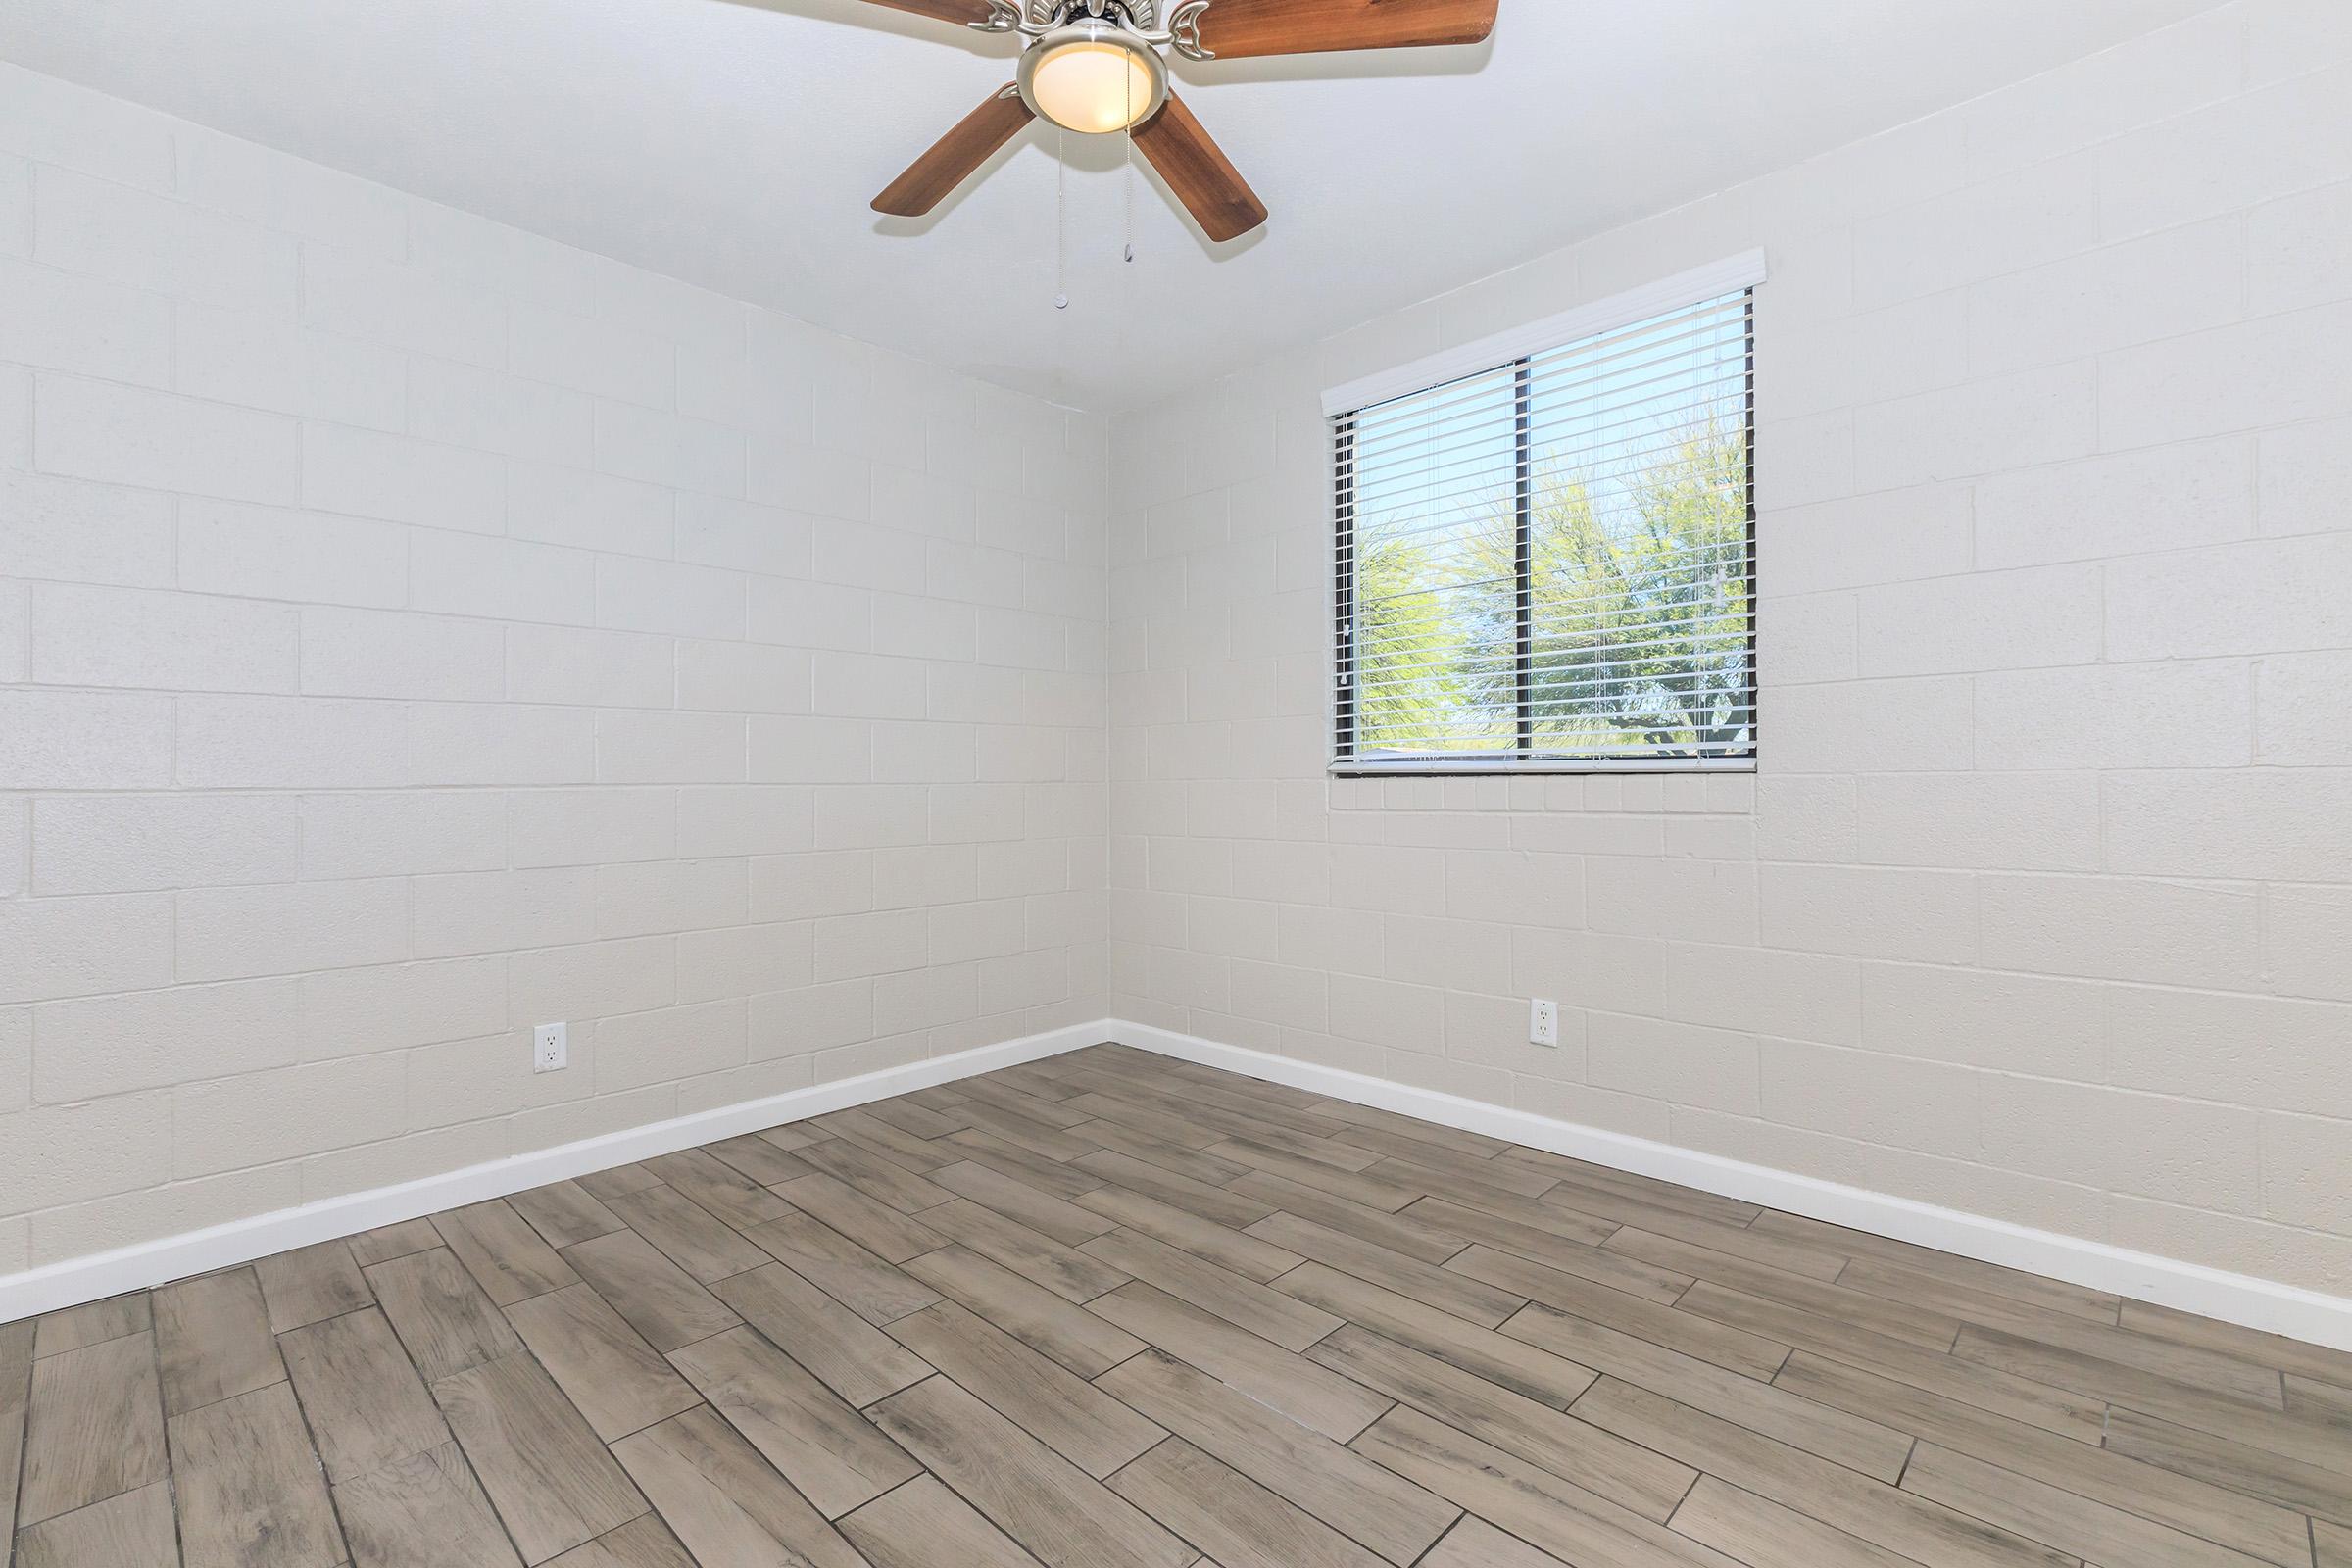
x=735, y=143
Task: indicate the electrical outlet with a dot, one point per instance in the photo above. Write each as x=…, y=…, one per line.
x=551, y=1048
x=1542, y=1022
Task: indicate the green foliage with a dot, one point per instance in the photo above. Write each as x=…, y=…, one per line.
x=1641, y=615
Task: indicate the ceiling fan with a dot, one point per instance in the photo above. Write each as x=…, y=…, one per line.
x=1098, y=67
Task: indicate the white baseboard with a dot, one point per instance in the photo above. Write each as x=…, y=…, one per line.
x=2242, y=1299
x=148, y=1263
x=2256, y=1303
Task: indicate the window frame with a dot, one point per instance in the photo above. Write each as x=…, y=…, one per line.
x=1516, y=352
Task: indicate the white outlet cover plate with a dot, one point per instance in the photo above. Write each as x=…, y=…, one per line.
x=551, y=1048
x=1542, y=1023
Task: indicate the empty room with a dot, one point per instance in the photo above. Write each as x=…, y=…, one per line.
x=1175, y=784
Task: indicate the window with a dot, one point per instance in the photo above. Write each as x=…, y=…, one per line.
x=1545, y=557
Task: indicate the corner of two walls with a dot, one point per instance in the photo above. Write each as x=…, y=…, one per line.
x=2039, y=907
x=412, y=630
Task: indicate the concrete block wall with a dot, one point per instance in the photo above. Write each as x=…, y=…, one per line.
x=2039, y=903
x=412, y=630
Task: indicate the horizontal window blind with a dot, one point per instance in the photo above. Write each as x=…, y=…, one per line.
x=1550, y=563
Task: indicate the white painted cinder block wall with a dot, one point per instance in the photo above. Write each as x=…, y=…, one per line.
x=2040, y=906
x=412, y=630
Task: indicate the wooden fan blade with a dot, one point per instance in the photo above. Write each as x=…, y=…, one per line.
x=1198, y=170
x=962, y=12
x=952, y=160
x=1235, y=30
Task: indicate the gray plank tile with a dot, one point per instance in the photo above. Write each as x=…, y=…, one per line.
x=605, y=1369
x=1038, y=1137
x=505, y=1255
x=388, y=1241
x=1896, y=1320
x=1067, y=1414
x=2197, y=1506
x=1648, y=1484
x=2324, y=1491
x=643, y=1543
x=1437, y=1173
x=423, y=1511
x=2295, y=1357
x=1057, y=1511
x=922, y=1525
x=1038, y=1317
x=1735, y=1350
x=1130, y=1132
x=1541, y=1243
x=1215, y=1507
x=1512, y=1363
x=1065, y=1182
x=898, y=1144
x=609, y=1184
x=687, y=1234
x=1476, y=1544
x=723, y=1501
x=249, y=1490
x=1373, y=1192
x=564, y=1213
x=1073, y=1276
x=837, y=1458
x=719, y=1187
x=2193, y=1366
x=1858, y=1504
x=211, y=1337
x=660, y=1300
x=758, y=1159
x=1228, y=1208
x=367, y=1406
x=1266, y=1312
x=1245, y=1254
x=130, y=1530
x=1311, y=1395
x=854, y=1358
x=2041, y=1405
x=94, y=1426
x=92, y=1323
x=440, y=1313
x=1553, y=1514
x=873, y=1176
x=16, y=1391
x=2038, y=1511
x=1453, y=1288
x=849, y=1274
x=2284, y=1433
x=1022, y=1203
x=1374, y=1507
x=884, y=1231
x=551, y=1482
x=1404, y=1232
x=1764, y=1534
x=311, y=1282
x=1848, y=1440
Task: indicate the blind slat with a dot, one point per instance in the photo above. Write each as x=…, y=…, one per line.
x=1593, y=587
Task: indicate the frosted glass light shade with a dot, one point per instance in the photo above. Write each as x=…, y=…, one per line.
x=1095, y=81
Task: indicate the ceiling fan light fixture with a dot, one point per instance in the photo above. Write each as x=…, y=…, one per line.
x=1093, y=77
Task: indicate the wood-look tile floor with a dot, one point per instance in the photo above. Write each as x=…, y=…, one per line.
x=1110, y=1310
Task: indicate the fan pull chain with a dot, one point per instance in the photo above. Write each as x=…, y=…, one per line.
x=1061, y=222
x=1127, y=175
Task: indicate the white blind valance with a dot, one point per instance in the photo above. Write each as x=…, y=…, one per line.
x=1547, y=562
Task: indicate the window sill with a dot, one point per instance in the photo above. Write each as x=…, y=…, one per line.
x=1471, y=768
